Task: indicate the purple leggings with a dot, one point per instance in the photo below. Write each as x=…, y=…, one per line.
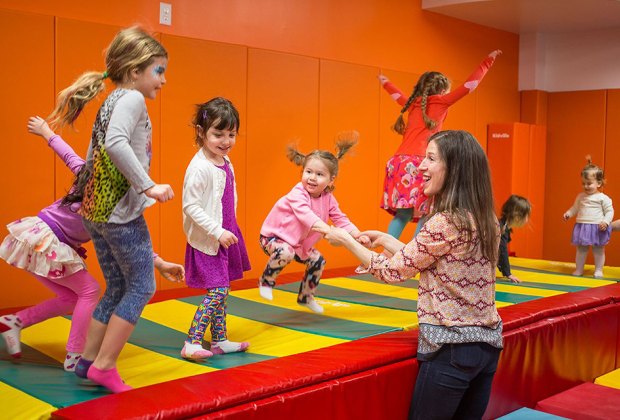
x=79, y=293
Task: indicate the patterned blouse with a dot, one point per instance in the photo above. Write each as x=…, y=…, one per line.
x=456, y=292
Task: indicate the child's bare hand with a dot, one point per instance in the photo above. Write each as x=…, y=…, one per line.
x=160, y=192
x=171, y=271
x=514, y=279
x=38, y=126
x=364, y=240
x=382, y=79
x=566, y=216
x=603, y=226
x=495, y=54
x=227, y=239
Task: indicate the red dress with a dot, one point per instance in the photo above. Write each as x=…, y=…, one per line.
x=402, y=187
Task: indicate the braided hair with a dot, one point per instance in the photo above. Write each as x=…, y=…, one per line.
x=345, y=140
x=430, y=83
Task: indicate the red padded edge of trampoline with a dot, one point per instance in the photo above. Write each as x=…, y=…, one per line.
x=197, y=395
x=381, y=393
x=515, y=316
x=200, y=394
x=552, y=355
x=587, y=401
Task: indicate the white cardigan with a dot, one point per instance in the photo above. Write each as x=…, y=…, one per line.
x=203, y=189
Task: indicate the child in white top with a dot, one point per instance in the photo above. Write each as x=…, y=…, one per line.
x=297, y=220
x=215, y=253
x=594, y=212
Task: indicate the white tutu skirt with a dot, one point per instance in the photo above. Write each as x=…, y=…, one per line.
x=32, y=246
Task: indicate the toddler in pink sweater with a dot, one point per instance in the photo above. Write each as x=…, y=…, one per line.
x=299, y=219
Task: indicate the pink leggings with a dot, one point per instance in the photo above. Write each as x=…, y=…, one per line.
x=79, y=293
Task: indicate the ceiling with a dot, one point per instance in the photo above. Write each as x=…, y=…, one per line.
x=533, y=16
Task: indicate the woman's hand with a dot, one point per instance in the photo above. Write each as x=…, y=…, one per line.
x=338, y=236
x=321, y=227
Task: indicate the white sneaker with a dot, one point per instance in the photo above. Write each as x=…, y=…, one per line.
x=11, y=327
x=313, y=306
x=266, y=292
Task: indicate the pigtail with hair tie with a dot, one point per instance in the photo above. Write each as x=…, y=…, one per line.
x=345, y=140
x=295, y=155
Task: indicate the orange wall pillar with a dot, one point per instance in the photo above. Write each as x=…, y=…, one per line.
x=516, y=154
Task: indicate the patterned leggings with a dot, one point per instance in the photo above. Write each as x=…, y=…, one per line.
x=280, y=255
x=212, y=310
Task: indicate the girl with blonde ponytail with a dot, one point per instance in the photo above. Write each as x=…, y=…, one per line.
x=297, y=221
x=427, y=107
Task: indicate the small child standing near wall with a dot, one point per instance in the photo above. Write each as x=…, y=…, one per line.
x=594, y=213
x=215, y=253
x=297, y=221
x=515, y=213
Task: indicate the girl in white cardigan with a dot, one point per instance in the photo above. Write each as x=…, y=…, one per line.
x=215, y=252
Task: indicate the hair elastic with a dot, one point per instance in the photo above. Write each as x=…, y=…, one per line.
x=104, y=75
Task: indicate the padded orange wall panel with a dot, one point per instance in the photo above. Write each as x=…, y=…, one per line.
x=612, y=168
x=348, y=100
x=536, y=191
x=27, y=163
x=286, y=77
x=389, y=141
x=90, y=40
x=198, y=71
x=283, y=107
x=576, y=128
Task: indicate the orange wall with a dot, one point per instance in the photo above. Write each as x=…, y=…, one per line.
x=299, y=72
x=579, y=124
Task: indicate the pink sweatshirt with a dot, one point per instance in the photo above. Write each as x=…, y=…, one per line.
x=293, y=216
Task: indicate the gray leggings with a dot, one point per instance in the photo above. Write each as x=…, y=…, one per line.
x=125, y=256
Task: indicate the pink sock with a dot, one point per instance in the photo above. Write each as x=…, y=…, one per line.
x=108, y=378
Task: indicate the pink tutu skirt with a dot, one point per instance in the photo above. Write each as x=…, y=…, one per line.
x=402, y=187
x=32, y=246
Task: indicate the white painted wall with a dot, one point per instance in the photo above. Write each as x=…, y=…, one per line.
x=570, y=62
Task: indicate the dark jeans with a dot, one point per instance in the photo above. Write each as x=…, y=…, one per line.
x=456, y=383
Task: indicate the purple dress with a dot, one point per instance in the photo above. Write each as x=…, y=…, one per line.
x=204, y=271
